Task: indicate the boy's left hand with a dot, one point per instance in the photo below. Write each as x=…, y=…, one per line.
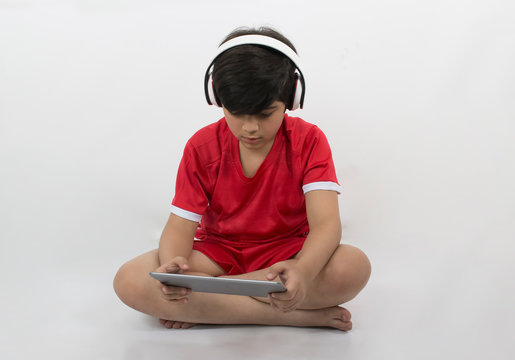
x=295, y=283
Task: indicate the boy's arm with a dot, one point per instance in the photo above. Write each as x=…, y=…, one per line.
x=176, y=239
x=323, y=239
x=175, y=247
x=325, y=232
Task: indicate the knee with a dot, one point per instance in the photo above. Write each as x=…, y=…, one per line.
x=352, y=271
x=362, y=268
x=124, y=285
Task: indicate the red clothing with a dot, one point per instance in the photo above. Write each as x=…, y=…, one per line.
x=250, y=223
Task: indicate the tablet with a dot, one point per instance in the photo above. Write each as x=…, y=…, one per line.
x=220, y=285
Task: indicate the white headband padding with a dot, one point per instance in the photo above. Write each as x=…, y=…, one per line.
x=261, y=40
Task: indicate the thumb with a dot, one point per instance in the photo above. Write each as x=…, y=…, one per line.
x=274, y=271
x=175, y=265
x=181, y=262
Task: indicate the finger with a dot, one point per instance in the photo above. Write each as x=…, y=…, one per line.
x=161, y=269
x=272, y=274
x=175, y=265
x=286, y=306
x=290, y=307
x=171, y=290
x=274, y=306
x=180, y=300
x=170, y=297
x=176, y=297
x=175, y=292
x=282, y=308
x=279, y=305
x=285, y=296
x=276, y=270
x=168, y=268
x=182, y=263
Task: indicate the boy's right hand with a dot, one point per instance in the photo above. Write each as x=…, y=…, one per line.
x=174, y=293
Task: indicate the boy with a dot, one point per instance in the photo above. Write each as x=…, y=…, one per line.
x=256, y=198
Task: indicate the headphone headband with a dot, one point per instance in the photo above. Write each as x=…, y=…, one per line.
x=262, y=40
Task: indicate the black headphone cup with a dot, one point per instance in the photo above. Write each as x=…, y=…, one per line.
x=207, y=78
x=303, y=85
x=293, y=91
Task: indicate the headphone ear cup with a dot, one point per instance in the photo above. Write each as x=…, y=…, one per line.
x=213, y=99
x=296, y=96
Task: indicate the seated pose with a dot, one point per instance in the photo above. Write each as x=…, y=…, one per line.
x=256, y=197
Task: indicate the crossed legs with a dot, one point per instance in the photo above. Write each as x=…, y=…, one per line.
x=342, y=278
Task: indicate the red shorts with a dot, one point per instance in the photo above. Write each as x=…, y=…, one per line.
x=243, y=257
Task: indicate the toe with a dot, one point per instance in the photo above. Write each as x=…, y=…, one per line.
x=346, y=315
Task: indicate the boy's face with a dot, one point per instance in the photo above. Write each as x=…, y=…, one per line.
x=257, y=132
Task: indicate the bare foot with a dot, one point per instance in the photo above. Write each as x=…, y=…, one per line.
x=335, y=317
x=339, y=318
x=170, y=324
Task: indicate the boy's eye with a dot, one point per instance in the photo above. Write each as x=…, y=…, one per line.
x=265, y=115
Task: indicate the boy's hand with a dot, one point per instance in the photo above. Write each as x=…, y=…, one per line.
x=295, y=283
x=174, y=293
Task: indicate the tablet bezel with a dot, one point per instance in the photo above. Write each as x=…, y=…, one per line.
x=220, y=285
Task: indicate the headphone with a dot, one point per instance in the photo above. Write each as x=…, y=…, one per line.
x=297, y=100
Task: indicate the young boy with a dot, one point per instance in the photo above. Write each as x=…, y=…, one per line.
x=256, y=198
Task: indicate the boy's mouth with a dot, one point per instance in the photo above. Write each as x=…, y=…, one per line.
x=250, y=140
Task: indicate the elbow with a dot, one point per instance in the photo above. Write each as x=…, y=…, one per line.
x=338, y=230
x=333, y=226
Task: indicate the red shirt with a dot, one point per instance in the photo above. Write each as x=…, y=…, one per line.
x=212, y=189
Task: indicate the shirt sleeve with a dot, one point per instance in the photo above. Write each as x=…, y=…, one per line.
x=319, y=171
x=190, y=200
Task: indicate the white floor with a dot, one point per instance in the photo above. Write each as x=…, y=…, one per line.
x=60, y=305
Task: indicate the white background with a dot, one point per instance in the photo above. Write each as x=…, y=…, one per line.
x=97, y=100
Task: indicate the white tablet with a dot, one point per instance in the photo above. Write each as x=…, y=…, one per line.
x=220, y=285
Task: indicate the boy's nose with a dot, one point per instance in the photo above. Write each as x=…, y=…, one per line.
x=250, y=124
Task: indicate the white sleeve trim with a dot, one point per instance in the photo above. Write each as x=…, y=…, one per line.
x=322, y=185
x=188, y=215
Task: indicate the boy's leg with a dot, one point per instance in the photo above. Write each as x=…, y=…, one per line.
x=341, y=279
x=138, y=290
x=198, y=262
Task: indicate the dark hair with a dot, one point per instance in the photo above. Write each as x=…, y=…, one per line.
x=249, y=78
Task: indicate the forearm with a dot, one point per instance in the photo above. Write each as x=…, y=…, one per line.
x=318, y=248
x=170, y=248
x=176, y=239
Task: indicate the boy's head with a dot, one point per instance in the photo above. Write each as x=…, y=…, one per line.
x=248, y=78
